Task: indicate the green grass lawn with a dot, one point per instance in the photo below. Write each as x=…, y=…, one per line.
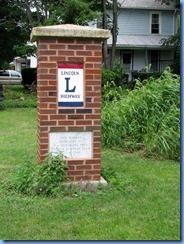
x=145, y=206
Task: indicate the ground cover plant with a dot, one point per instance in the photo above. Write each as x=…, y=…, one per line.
x=147, y=118
x=18, y=97
x=141, y=202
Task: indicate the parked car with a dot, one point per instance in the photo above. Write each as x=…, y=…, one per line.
x=10, y=77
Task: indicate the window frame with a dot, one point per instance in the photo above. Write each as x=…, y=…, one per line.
x=159, y=22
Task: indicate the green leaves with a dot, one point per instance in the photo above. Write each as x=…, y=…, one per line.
x=45, y=178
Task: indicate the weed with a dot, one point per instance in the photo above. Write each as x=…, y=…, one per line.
x=148, y=117
x=50, y=175
x=45, y=178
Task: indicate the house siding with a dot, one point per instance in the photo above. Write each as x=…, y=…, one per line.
x=134, y=22
x=137, y=22
x=167, y=23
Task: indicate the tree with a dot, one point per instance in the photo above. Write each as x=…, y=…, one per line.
x=18, y=17
x=177, y=2
x=113, y=26
x=13, y=30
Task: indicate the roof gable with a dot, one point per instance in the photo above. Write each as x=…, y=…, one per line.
x=146, y=4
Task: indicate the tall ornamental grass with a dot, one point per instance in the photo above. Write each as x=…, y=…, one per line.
x=148, y=118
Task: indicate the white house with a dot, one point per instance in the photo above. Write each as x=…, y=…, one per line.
x=18, y=63
x=142, y=24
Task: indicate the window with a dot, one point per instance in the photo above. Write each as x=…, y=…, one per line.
x=155, y=23
x=126, y=56
x=154, y=60
x=15, y=74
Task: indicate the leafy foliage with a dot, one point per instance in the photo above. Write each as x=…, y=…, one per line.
x=116, y=75
x=71, y=12
x=18, y=17
x=45, y=178
x=112, y=92
x=147, y=118
x=175, y=42
x=18, y=97
x=13, y=30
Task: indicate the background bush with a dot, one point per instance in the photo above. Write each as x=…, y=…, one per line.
x=116, y=75
x=17, y=96
x=28, y=77
x=148, y=118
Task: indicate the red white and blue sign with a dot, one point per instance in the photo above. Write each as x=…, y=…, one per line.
x=70, y=85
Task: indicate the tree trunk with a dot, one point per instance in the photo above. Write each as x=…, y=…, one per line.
x=29, y=13
x=114, y=33
x=104, y=26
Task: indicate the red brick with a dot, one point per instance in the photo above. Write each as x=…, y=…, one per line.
x=66, y=53
x=58, y=117
x=93, y=71
x=47, y=111
x=92, y=172
x=57, y=58
x=53, y=106
x=47, y=77
x=94, y=59
x=41, y=82
x=75, y=162
x=42, y=58
x=52, y=71
x=88, y=77
x=84, y=53
x=84, y=122
x=97, y=53
x=46, y=40
x=93, y=47
x=48, y=88
x=47, y=65
x=66, y=123
x=75, y=47
x=93, y=105
x=66, y=41
x=75, y=172
x=48, y=123
x=76, y=59
x=43, y=46
x=89, y=65
x=93, y=116
x=83, y=178
x=82, y=167
x=96, y=177
x=47, y=52
x=96, y=166
x=57, y=46
x=47, y=99
x=84, y=41
x=52, y=83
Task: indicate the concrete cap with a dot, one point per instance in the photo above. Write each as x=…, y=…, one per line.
x=69, y=31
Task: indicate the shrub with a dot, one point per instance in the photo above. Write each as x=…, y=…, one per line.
x=50, y=175
x=28, y=77
x=116, y=75
x=147, y=118
x=18, y=97
x=45, y=178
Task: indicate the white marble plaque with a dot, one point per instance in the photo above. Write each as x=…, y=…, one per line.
x=76, y=145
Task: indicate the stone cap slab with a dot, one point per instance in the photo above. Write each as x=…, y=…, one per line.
x=69, y=31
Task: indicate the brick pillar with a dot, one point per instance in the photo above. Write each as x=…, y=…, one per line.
x=61, y=125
